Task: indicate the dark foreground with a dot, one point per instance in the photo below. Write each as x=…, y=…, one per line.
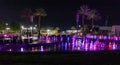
x=61, y=58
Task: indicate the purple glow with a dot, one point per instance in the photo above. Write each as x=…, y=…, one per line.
x=108, y=37
x=77, y=17
x=76, y=43
x=22, y=49
x=116, y=38
x=72, y=46
x=114, y=46
x=83, y=44
x=112, y=38
x=94, y=36
x=110, y=46
x=104, y=37
x=65, y=46
x=41, y=48
x=94, y=46
x=100, y=37
x=54, y=38
x=5, y=35
x=67, y=38
x=89, y=43
x=10, y=50
x=73, y=40
x=86, y=47
x=96, y=43
x=47, y=38
x=61, y=39
x=33, y=49
x=91, y=46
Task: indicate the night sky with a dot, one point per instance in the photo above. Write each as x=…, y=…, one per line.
x=60, y=13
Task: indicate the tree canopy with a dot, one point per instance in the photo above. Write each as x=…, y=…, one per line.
x=15, y=26
x=2, y=25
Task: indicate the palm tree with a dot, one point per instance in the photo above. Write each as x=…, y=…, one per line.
x=94, y=16
x=84, y=11
x=40, y=12
x=26, y=14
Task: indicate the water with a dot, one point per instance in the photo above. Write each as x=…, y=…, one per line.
x=65, y=43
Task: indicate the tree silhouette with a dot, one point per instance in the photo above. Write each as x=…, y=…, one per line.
x=84, y=11
x=40, y=12
x=94, y=16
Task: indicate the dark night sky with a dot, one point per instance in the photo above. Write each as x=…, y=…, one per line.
x=60, y=12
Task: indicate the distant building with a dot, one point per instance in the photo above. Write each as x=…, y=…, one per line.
x=72, y=31
x=105, y=28
x=116, y=29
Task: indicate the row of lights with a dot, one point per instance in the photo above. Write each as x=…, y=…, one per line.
x=7, y=28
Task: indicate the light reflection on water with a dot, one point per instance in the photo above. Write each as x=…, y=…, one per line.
x=64, y=44
x=68, y=47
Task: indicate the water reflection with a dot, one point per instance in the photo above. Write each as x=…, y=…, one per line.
x=66, y=43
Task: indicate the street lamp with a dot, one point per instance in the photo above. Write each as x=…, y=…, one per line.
x=22, y=27
x=35, y=25
x=6, y=27
x=48, y=30
x=6, y=24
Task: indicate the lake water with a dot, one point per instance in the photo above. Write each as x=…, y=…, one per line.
x=63, y=43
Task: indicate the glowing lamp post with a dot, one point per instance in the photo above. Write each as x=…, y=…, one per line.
x=48, y=31
x=7, y=27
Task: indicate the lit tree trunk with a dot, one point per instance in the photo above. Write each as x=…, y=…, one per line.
x=39, y=19
x=77, y=27
x=27, y=34
x=83, y=25
x=92, y=24
x=77, y=20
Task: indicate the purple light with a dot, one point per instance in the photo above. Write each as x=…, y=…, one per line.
x=83, y=44
x=116, y=38
x=77, y=17
x=91, y=46
x=108, y=37
x=54, y=38
x=47, y=38
x=65, y=46
x=110, y=46
x=72, y=46
x=10, y=50
x=86, y=47
x=69, y=45
x=90, y=36
x=22, y=49
x=33, y=49
x=41, y=48
x=76, y=43
x=100, y=37
x=73, y=40
x=94, y=46
x=61, y=39
x=96, y=43
x=104, y=37
x=5, y=35
x=114, y=46
x=67, y=38
x=94, y=36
